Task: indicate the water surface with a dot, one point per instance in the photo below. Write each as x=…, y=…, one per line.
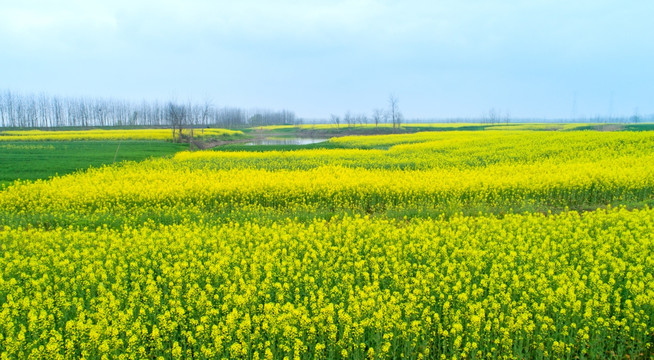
x=285, y=141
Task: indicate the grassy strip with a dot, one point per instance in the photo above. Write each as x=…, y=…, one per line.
x=33, y=160
x=321, y=130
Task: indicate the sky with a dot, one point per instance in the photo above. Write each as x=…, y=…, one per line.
x=548, y=59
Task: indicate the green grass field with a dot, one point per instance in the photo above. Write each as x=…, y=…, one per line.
x=27, y=160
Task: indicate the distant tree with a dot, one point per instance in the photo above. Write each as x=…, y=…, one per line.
x=399, y=119
x=58, y=111
x=378, y=116
x=44, y=111
x=394, y=110
x=349, y=119
x=206, y=112
x=335, y=119
x=18, y=110
x=256, y=120
x=176, y=115
x=635, y=118
x=134, y=118
x=362, y=119
x=492, y=116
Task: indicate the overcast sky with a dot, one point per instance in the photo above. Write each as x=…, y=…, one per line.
x=458, y=58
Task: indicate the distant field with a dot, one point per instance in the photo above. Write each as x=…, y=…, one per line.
x=32, y=160
x=412, y=127
x=40, y=154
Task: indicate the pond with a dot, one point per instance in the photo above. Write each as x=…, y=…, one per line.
x=285, y=141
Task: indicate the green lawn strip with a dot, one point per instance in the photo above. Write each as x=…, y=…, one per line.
x=33, y=160
x=639, y=127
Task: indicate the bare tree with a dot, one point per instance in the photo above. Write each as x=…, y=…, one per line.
x=635, y=118
x=362, y=119
x=9, y=108
x=394, y=110
x=378, y=116
x=4, y=115
x=492, y=116
x=206, y=111
x=32, y=112
x=176, y=118
x=349, y=119
x=18, y=110
x=19, y=106
x=336, y=120
x=58, y=111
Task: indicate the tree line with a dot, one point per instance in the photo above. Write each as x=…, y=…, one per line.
x=391, y=115
x=45, y=111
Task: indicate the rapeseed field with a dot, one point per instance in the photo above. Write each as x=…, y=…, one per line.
x=441, y=245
